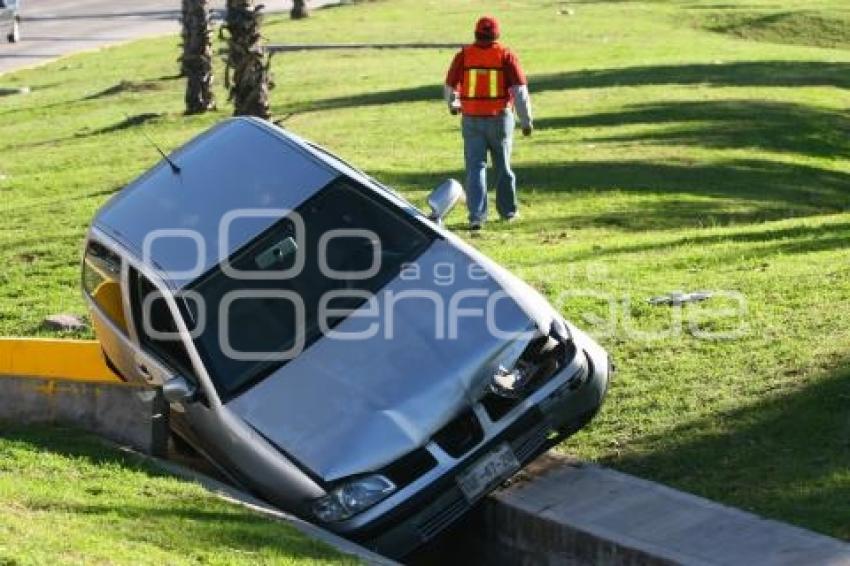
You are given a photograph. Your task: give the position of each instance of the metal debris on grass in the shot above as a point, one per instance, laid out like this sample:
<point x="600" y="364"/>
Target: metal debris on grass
<point x="677" y="298"/>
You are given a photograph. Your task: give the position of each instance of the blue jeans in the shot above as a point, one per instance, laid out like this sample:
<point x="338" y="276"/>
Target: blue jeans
<point x="480" y="135"/>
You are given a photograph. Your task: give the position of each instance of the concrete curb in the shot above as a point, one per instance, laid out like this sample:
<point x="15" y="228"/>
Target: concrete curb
<point x="562" y="511"/>
<point x="61" y="359"/>
<point x="124" y="413"/>
<point x="233" y="495"/>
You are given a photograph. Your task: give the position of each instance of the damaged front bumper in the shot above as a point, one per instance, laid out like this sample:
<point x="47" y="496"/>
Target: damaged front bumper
<point x="418" y="512"/>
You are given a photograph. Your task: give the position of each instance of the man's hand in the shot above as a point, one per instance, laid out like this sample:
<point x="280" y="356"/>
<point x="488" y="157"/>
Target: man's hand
<point x="454" y="111"/>
<point x="527" y="130"/>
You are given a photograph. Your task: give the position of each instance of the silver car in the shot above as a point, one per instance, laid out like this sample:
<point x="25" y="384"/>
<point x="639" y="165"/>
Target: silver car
<point x="10" y="20"/>
<point x="325" y="344"/>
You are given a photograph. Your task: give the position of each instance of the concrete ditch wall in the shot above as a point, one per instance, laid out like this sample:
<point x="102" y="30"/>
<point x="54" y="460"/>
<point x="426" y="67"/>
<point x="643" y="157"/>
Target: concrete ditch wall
<point x="67" y="382"/>
<point x="557" y="510"/>
<point x="560" y="511"/>
<point x="126" y="414"/>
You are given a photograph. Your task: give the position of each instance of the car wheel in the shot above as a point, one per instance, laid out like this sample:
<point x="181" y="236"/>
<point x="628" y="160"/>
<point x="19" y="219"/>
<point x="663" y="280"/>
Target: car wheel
<point x="15" y="35"/>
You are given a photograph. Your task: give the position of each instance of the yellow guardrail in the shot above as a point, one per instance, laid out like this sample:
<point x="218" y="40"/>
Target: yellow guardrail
<point x="78" y="360"/>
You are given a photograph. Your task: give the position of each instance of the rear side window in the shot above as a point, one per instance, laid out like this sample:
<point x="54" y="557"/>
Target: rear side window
<point x="102" y="282"/>
<point x="155" y="325"/>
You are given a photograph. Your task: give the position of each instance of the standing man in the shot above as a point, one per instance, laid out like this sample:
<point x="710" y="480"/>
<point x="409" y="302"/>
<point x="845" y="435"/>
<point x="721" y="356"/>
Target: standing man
<point x="484" y="82"/>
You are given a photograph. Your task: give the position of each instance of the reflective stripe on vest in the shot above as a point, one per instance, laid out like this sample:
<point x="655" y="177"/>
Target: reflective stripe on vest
<point x="482" y="90"/>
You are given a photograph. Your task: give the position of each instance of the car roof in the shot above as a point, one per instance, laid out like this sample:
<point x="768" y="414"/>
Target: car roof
<point x="243" y="174"/>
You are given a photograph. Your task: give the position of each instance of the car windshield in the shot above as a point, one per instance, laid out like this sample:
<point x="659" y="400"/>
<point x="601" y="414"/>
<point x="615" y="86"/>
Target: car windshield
<point x="264" y="305"/>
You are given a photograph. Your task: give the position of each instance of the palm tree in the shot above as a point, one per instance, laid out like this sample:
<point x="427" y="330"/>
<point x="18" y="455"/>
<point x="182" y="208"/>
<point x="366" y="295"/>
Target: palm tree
<point x="248" y="75"/>
<point x="299" y="10"/>
<point x="197" y="59"/>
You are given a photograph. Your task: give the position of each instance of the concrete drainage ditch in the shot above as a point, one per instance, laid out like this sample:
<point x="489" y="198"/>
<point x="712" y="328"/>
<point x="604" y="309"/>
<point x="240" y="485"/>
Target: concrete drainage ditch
<point x="556" y="511"/>
<point x="562" y="511"/>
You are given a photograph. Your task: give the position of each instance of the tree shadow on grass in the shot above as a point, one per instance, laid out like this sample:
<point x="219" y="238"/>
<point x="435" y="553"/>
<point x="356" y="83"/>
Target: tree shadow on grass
<point x="774" y="126"/>
<point x="207" y="529"/>
<point x="763" y="244"/>
<point x="125" y="86"/>
<point x="51" y="204"/>
<point x="203" y="526"/>
<point x="682" y="194"/>
<point x="794" y="239"/>
<point x="785" y="457"/>
<point x="127" y="123"/>
<point x="76" y="444"/>
<point x="739" y="73"/>
<point x="422" y="93"/>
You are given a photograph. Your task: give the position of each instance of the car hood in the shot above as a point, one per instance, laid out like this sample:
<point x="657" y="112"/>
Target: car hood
<point x="345" y="407"/>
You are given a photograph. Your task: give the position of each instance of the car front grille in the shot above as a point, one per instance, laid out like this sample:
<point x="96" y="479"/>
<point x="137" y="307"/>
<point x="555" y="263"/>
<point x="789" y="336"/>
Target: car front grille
<point x="441" y="503"/>
<point x="461" y="435"/>
<point x="526" y="437"/>
<point x="529" y="443"/>
<point x="447" y="513"/>
<point x="498" y="406"/>
<point x="409" y="468"/>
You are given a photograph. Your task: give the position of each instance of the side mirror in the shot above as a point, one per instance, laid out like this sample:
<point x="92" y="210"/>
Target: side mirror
<point x="178" y="390"/>
<point x="444" y="198"/>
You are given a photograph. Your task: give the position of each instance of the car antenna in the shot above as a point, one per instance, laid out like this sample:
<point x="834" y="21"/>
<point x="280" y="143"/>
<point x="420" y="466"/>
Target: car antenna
<point x="174" y="167"/>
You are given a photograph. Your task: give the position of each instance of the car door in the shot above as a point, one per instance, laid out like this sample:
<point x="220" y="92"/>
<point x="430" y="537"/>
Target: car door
<point x="162" y="355"/>
<point x="8" y="8"/>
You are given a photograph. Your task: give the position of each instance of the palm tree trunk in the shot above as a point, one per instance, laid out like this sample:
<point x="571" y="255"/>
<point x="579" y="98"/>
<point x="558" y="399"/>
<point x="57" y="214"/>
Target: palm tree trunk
<point x="299" y="10"/>
<point x="196" y="63"/>
<point x="248" y="75"/>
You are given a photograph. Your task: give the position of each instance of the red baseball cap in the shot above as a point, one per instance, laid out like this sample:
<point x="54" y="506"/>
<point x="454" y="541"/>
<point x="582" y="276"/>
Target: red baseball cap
<point x="487" y="28"/>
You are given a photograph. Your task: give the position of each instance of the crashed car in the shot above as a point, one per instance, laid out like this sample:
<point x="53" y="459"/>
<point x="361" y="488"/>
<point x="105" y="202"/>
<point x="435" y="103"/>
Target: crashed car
<point x="10" y="20"/>
<point x="325" y="344"/>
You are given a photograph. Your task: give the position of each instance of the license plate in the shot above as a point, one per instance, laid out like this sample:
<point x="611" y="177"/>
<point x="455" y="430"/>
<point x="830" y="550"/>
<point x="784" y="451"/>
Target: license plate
<point x="488" y="472"/>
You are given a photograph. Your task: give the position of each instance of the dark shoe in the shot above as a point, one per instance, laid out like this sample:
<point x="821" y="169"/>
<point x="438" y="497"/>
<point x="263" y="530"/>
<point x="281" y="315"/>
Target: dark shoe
<point x="511" y="217"/>
<point x="476" y="226"/>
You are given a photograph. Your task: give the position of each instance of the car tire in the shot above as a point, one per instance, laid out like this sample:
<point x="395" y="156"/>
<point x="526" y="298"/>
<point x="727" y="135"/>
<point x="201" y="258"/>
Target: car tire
<point x="15" y="35"/>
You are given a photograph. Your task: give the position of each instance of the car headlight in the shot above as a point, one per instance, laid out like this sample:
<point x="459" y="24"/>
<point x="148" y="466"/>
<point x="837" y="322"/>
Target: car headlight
<point x="543" y="356"/>
<point x="352" y="498"/>
<point x="510" y="383"/>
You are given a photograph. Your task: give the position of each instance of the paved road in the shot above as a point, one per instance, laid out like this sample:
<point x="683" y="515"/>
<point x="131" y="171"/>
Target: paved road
<point x="52" y="28"/>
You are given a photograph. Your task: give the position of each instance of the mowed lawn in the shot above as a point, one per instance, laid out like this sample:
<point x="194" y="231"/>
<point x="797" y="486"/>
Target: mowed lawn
<point x="681" y="145"/>
<point x="65" y="498"/>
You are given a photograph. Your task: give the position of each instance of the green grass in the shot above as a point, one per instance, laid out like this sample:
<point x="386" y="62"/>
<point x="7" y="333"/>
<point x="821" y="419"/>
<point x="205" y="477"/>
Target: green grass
<point x="66" y="498"/>
<point x="668" y="156"/>
<point x="802" y="27"/>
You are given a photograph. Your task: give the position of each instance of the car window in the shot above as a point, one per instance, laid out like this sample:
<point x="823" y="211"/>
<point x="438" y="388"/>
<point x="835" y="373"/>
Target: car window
<point x="269" y="316"/>
<point x="343" y="163"/>
<point x="102" y="282"/>
<point x="155" y="326"/>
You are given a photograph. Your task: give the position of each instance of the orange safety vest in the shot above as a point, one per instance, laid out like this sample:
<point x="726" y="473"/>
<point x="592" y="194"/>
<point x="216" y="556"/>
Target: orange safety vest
<point x="482" y="89"/>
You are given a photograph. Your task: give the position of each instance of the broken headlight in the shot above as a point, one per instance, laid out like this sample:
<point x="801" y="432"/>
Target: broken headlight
<point x="539" y="361"/>
<point x="352" y="498"/>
